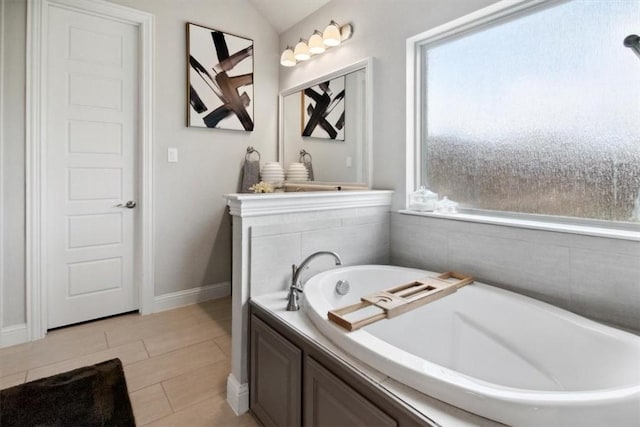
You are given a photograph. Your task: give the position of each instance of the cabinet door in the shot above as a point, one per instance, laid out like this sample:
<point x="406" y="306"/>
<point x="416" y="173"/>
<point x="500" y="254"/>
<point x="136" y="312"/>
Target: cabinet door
<point x="276" y="377"/>
<point x="330" y="402"/>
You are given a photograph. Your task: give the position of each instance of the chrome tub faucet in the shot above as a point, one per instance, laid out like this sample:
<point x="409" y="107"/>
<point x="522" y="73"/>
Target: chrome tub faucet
<point x="296" y="285"/>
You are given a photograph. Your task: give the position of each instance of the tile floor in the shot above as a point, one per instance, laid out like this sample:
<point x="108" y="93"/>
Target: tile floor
<point x="176" y="362"/>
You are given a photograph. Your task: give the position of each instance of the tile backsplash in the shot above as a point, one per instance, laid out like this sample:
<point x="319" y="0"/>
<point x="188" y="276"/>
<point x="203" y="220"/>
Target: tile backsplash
<point x="596" y="277"/>
<point x="359" y="236"/>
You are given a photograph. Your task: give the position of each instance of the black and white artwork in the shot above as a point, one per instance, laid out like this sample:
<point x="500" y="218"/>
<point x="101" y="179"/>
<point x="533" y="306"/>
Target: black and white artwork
<point x="323" y="110"/>
<point x="220" y="79"/>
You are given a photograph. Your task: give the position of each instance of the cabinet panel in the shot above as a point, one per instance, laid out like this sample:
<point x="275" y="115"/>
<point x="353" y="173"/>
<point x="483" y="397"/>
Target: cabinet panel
<point x="276" y="377"/>
<point x="330" y="402"/>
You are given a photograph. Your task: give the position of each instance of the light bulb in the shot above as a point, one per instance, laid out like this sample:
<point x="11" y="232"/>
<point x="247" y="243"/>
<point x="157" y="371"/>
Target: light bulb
<point x="287" y="59"/>
<point x="331" y="35"/>
<point x="316" y="45"/>
<point x="301" y="52"/>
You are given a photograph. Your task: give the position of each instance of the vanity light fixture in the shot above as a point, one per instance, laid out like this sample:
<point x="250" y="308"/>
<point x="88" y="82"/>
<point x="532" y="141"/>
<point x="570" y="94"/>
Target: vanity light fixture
<point x="333" y="35"/>
<point x="288" y="59"/>
<point x="301" y="52"/>
<point x="316" y="43"/>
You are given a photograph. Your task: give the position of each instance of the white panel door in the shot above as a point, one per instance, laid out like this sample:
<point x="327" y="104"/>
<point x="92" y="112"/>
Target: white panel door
<point x="92" y="109"/>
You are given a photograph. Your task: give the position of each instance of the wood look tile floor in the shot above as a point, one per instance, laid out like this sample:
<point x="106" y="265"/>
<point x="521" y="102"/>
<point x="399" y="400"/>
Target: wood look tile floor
<point x="176" y="362"/>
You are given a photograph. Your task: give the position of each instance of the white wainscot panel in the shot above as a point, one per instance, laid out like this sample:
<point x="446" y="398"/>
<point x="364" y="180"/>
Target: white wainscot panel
<point x="94" y="276"/>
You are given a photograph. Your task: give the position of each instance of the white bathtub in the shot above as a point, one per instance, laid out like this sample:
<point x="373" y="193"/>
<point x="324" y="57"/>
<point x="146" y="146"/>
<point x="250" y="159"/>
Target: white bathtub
<point x="492" y="352"/>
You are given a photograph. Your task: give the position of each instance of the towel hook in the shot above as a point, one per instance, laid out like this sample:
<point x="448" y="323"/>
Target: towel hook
<point x="251" y="150"/>
<point x="303" y="154"/>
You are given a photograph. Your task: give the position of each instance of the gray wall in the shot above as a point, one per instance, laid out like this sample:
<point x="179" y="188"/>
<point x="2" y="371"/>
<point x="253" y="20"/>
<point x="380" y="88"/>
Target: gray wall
<point x="192" y="229"/>
<point x="596" y="277"/>
<point x="193" y="234"/>
<point x="12" y="155"/>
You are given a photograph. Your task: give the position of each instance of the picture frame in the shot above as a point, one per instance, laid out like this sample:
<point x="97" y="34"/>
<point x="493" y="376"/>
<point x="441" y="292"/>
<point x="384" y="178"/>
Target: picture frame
<point x="220" y="91"/>
<point x="323" y="110"/>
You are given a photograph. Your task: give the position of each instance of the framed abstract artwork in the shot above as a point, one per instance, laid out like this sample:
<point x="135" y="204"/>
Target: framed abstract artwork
<point x="219" y="79"/>
<point x="323" y="110"/>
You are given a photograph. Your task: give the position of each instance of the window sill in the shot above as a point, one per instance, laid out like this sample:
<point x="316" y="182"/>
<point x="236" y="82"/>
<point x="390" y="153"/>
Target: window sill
<point x="586" y="230"/>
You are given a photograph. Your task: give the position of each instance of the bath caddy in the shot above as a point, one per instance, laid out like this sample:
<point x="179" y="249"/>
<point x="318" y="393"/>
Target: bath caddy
<point x="400" y="299"/>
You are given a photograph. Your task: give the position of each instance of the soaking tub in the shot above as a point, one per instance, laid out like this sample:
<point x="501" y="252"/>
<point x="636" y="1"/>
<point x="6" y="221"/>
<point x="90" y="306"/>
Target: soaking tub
<point x="489" y="351"/>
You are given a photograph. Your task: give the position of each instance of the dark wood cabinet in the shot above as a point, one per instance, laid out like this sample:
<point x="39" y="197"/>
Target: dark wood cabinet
<point x="329" y="402"/>
<point x="294" y="382"/>
<point x="276" y="377"/>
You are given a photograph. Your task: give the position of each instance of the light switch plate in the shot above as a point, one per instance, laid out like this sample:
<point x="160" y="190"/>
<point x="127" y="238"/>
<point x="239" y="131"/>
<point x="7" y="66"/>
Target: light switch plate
<point x="172" y="155"/>
<point x="349" y="161"/>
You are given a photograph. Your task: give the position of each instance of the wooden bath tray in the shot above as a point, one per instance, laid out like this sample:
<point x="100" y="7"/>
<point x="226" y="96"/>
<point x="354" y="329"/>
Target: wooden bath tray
<point x="400" y="299"/>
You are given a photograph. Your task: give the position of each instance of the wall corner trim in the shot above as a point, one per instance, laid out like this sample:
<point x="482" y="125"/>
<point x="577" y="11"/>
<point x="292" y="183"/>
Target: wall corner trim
<point x="191" y="296"/>
<point x="237" y="395"/>
<point x="2" y="110"/>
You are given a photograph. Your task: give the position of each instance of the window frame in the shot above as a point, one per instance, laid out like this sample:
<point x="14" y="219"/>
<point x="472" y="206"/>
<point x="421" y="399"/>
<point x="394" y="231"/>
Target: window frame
<point x="501" y="11"/>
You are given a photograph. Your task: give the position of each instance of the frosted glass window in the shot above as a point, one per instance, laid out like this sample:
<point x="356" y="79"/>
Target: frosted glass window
<point x="539" y="114"/>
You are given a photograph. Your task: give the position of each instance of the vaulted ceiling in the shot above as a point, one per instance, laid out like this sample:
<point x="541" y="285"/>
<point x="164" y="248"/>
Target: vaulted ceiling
<point x="283" y="14"/>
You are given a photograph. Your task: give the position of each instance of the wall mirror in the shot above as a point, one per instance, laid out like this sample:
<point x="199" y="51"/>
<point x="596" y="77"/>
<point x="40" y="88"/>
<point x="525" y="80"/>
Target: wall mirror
<point x="329" y="118"/>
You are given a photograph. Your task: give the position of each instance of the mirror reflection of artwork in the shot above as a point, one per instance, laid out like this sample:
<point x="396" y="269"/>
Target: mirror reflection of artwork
<point x="333" y="161"/>
<point x="220" y="79"/>
<point x="323" y="110"/>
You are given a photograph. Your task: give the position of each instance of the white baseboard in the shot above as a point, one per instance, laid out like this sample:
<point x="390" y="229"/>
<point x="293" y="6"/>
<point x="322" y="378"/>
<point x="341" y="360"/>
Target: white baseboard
<point x="18" y="334"/>
<point x="237" y="395"/>
<point x="191" y="296"/>
<point x="12" y="335"/>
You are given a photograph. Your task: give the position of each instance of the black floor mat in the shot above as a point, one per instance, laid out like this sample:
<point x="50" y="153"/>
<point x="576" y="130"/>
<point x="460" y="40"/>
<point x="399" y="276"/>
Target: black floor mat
<point x="90" y="396"/>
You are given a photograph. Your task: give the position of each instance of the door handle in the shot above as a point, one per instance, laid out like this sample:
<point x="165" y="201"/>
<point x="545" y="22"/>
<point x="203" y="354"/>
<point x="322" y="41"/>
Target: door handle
<point x="129" y="205"/>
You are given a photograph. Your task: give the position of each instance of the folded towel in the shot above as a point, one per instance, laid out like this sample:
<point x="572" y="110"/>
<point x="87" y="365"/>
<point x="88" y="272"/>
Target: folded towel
<point x="307" y="164"/>
<point x="250" y="175"/>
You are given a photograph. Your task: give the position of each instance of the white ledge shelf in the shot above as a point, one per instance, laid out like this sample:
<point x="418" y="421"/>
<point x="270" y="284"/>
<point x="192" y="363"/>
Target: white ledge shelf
<point x="586" y="230"/>
<point x="249" y="205"/>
